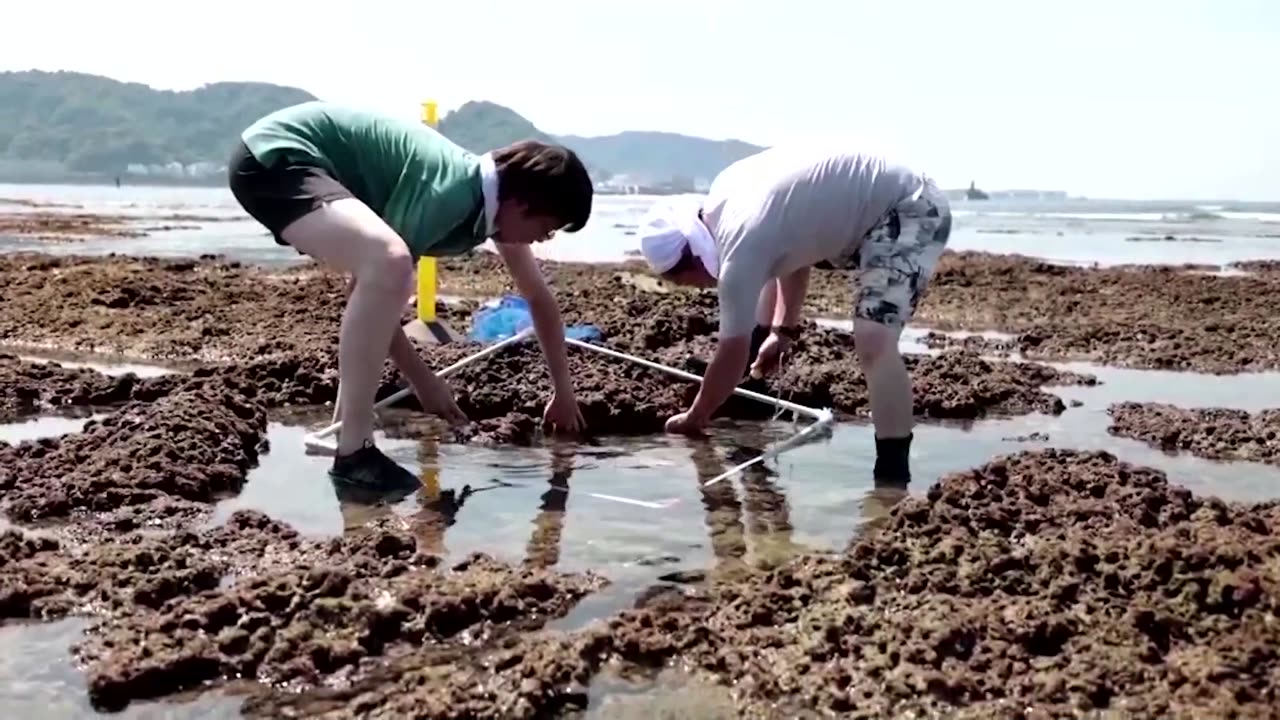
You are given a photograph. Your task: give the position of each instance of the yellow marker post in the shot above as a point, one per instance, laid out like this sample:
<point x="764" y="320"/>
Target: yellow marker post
<point x="427" y="265"/>
<point x="427" y="289"/>
<point x="427" y="327"/>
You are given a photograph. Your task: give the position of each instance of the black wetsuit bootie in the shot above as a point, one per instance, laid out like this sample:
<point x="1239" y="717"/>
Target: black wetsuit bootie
<point x="893" y="460"/>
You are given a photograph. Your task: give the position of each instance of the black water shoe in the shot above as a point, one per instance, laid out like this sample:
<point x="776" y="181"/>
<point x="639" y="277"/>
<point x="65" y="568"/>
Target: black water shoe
<point x="893" y="460"/>
<point x="369" y="469"/>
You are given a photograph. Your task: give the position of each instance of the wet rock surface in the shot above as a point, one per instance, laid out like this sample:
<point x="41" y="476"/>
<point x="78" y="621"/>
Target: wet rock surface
<point x="366" y="599"/>
<point x="1065" y="582"/>
<point x="1213" y="433"/>
<point x="510" y="429"/>
<point x="282" y="343"/>
<point x="59" y="223"/>
<point x="45" y="577"/>
<point x="28" y="387"/>
<point x="1258" y="266"/>
<point x="65" y="226"/>
<point x="1131" y="316"/>
<point x="194" y="445"/>
<point x="1044" y="584"/>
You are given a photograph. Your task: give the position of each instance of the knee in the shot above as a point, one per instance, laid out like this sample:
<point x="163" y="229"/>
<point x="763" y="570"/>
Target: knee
<point x="874" y="342"/>
<point x="389" y="269"/>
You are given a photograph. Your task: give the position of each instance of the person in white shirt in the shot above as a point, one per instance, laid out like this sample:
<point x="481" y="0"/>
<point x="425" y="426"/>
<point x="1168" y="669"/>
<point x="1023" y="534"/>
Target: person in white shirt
<point x="765" y="222"/>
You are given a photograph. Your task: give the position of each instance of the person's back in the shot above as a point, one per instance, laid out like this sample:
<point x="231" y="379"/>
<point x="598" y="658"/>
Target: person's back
<point x="815" y="202"/>
<point x="398" y="168"/>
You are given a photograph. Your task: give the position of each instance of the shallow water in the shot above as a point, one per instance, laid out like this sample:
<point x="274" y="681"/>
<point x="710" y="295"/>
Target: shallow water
<point x="106" y="368"/>
<point x="534" y="505"/>
<point x="39" y="679"/>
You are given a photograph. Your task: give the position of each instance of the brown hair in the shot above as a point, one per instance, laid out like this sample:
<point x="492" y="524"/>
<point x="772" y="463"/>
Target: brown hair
<point x="549" y="179"/>
<point x="686" y="263"/>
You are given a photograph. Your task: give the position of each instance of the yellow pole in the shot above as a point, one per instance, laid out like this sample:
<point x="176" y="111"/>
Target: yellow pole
<point x="427" y="313"/>
<point x="427" y="265"/>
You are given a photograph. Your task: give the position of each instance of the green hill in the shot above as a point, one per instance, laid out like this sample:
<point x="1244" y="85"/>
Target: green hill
<point x="87" y="124"/>
<point x="70" y="126"/>
<point x="659" y="156"/>
<point x="480" y="126"/>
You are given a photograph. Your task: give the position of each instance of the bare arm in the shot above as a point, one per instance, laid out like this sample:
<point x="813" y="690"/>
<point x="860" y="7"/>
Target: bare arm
<point x="791" y="291"/>
<point x="407" y="360"/>
<point x="767" y="304"/>
<point x="547" y="323"/>
<point x="723" y="374"/>
<point x="740" y="287"/>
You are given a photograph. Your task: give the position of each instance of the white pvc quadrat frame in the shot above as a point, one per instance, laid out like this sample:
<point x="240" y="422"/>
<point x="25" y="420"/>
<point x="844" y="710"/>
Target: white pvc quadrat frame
<point x="317" y="441"/>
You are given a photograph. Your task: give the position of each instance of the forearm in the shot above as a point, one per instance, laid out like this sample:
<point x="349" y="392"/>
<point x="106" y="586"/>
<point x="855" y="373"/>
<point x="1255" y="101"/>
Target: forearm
<point x="549" y="327"/>
<point x="721" y="378"/>
<point x="791" y="292"/>
<point x="767" y="304"/>
<point x="406" y="358"/>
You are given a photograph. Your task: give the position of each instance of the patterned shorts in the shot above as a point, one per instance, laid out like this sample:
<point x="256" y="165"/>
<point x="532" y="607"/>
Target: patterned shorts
<point x="896" y="258"/>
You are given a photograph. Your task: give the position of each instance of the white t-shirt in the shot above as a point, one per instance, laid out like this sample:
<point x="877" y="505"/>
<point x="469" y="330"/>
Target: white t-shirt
<point x="783" y="209"/>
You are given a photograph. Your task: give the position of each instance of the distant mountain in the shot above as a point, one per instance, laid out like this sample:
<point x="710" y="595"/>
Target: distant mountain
<point x="73" y="122"/>
<point x="481" y="126"/>
<point x="659" y="156"/>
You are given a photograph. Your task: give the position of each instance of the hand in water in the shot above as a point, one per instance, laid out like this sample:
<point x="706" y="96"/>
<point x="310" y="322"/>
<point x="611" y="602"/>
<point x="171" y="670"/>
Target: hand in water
<point x="683" y="424"/>
<point x="771" y="351"/>
<point x="437" y="399"/>
<point x="563" y="414"/>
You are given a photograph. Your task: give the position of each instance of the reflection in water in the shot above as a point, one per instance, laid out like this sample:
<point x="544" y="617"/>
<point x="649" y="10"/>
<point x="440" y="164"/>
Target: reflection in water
<point x="723" y="511"/>
<point x="878" y="501"/>
<point x="543" y="549"/>
<point x="763" y="515"/>
<point x="754" y="528"/>
<point x="437" y="508"/>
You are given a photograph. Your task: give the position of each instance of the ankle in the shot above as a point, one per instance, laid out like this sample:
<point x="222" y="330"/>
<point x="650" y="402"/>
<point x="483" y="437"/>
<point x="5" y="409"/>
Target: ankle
<point x="346" y="449"/>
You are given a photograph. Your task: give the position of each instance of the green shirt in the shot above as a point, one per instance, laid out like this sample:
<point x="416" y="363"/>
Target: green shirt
<point x="423" y="185"/>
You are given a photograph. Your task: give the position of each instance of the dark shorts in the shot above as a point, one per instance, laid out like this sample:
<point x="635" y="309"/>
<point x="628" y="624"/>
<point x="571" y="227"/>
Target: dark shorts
<point x="276" y="196"/>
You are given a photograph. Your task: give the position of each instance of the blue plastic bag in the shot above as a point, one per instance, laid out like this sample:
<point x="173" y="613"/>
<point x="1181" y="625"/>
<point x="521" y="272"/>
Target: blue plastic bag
<point x="500" y="319"/>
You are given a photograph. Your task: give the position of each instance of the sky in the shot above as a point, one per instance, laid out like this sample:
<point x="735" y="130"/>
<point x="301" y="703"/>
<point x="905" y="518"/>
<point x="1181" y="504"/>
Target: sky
<point x="1118" y="98"/>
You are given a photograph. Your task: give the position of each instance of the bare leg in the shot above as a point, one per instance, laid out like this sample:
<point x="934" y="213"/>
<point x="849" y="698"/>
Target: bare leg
<point x="351" y="238"/>
<point x="898" y="257"/>
<point x="888" y="384"/>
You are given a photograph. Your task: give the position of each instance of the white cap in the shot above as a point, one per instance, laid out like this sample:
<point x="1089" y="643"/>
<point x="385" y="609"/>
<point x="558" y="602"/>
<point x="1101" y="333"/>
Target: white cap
<point x="669" y="227"/>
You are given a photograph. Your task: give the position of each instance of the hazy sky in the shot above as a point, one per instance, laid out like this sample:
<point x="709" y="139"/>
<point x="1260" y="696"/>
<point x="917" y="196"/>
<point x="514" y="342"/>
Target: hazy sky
<point x="1123" y="98"/>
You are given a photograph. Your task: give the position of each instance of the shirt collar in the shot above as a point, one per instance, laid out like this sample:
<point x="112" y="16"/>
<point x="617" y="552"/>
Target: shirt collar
<point x="489" y="189"/>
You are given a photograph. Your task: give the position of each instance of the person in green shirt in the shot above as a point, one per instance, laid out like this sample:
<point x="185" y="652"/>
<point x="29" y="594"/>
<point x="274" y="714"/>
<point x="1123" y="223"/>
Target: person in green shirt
<point x="367" y="195"/>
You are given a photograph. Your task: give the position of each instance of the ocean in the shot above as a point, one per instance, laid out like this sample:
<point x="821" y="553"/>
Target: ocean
<point x="1078" y="232"/>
